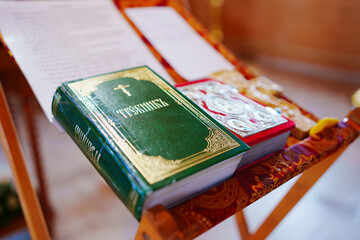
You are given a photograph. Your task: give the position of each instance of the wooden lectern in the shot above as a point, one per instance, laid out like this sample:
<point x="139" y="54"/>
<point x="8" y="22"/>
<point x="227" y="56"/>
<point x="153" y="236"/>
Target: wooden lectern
<point x="313" y="156"/>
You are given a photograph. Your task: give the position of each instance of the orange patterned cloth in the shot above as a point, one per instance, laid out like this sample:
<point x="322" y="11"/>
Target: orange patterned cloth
<point x="201" y="213"/>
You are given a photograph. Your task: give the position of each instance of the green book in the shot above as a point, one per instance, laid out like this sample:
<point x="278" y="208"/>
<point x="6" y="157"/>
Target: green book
<point x="151" y="144"/>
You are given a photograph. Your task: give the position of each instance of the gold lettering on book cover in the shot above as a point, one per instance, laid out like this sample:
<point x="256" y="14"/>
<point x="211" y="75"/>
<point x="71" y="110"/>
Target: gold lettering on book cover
<point x="141" y="108"/>
<point x="153" y="168"/>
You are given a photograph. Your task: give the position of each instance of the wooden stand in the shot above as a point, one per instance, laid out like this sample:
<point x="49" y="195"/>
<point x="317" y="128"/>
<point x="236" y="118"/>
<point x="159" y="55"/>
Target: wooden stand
<point x="28" y="198"/>
<point x="298" y="190"/>
<point x="185" y="221"/>
<point x="159" y="223"/>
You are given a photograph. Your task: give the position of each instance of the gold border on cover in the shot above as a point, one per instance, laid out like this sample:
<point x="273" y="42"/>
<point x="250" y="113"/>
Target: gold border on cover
<point x="218" y="141"/>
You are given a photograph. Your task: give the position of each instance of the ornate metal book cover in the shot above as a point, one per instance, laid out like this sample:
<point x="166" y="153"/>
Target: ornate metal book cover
<point x="246" y="118"/>
<point x="139" y="132"/>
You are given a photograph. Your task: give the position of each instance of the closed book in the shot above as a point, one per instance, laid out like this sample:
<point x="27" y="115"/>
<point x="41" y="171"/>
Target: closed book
<point x="262" y="128"/>
<point x="151" y="144"/>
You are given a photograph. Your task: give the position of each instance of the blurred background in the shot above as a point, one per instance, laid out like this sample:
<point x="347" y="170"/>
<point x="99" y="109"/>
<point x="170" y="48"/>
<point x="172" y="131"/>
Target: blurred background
<point x="320" y="38"/>
<point x="311" y="48"/>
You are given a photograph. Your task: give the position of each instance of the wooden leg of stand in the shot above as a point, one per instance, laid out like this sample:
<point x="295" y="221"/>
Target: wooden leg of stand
<point x="242" y="225"/>
<point x="29" y="110"/>
<point x="158" y="224"/>
<point x="28" y="199"/>
<point x="303" y="184"/>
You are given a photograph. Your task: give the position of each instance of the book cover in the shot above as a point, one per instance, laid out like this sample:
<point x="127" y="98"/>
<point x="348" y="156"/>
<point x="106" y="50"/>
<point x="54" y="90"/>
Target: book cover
<point x="140" y="133"/>
<point x="247" y="119"/>
<point x="269" y="93"/>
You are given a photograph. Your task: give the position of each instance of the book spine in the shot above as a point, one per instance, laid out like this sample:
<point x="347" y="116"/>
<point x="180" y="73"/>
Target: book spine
<point x="98" y="152"/>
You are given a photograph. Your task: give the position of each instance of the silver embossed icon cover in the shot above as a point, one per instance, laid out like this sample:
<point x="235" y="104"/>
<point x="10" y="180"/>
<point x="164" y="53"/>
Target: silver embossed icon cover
<point x="235" y="111"/>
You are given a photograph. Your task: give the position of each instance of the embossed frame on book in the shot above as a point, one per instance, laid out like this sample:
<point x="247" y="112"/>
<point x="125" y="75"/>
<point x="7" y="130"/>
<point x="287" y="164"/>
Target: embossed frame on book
<point x="218" y="141"/>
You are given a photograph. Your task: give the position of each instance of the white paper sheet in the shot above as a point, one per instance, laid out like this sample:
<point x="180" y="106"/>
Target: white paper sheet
<point x="185" y="50"/>
<point x="59" y="41"/>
